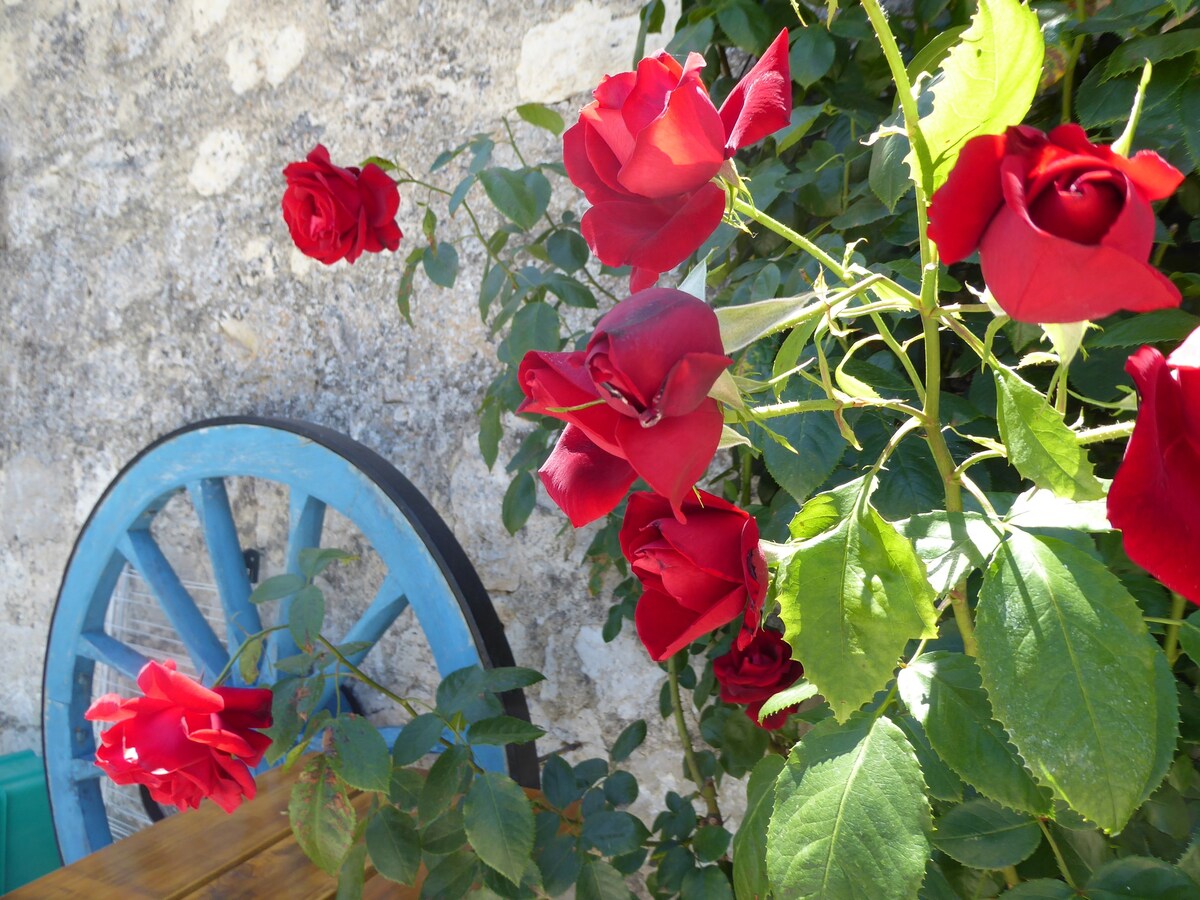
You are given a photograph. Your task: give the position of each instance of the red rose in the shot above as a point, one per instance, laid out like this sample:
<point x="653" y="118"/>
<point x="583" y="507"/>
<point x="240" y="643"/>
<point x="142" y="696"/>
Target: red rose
<point x="635" y="402"/>
<point x="182" y="740"/>
<point x="1155" y="497"/>
<point x="335" y="213"/>
<point x="695" y="577"/>
<point x="645" y="151"/>
<point x="1063" y="227"/>
<point x="756" y="672"/>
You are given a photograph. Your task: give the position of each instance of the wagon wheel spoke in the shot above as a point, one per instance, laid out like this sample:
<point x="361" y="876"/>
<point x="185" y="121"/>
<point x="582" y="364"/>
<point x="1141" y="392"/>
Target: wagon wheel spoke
<point x="228" y="562"/>
<point x="389" y="602"/>
<point x="104" y="648"/>
<point x="208" y="654"/>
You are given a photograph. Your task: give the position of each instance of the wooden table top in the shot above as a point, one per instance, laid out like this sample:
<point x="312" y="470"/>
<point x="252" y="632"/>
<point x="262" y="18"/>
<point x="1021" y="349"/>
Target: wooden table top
<point x="206" y="853"/>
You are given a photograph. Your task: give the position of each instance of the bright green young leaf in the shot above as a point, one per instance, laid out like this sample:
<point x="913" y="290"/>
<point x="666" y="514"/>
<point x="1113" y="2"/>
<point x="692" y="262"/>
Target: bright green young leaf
<point x="696" y="281"/>
<point x="952" y="545"/>
<point x="360" y="754"/>
<point x="851" y="818"/>
<point x="982" y="835"/>
<point x="394" y="845"/>
<point x="521" y="195"/>
<point x="1070" y="671"/>
<point x="1040" y="445"/>
<point x="1041" y="508"/>
<point x="986" y="83"/>
<point x="504" y="730"/>
<point x="797" y="693"/>
<point x="750" y="842"/>
<point x="321" y="815"/>
<point x="742" y="325"/>
<point x="853" y="596"/>
<point x="541" y="117"/>
<point x="315" y="560"/>
<point x="499" y="822"/>
<point x="944" y="693"/>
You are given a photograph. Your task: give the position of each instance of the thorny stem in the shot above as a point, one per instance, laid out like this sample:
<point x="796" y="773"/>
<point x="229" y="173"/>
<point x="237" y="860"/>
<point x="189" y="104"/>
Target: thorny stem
<point x="685" y="738"/>
<point x="1062" y="863"/>
<point x="751" y="212"/>
<point x="1113" y="432"/>
<point x="1068" y="80"/>
<point x="367" y="679"/>
<point x="224" y="673"/>
<point x="1171" y="644"/>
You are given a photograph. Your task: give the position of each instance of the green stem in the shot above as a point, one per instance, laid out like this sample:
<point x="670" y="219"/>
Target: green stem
<point x="1171" y="644"/>
<point x="1062" y="863"/>
<point x="1068" y="80"/>
<point x="966" y="622"/>
<point x="1011" y="878"/>
<point x="685" y="738"/>
<point x="1158" y="620"/>
<point x="942" y="457"/>
<point x="775" y="410"/>
<point x="751" y="212"/>
<point x="746" y="480"/>
<point x="224" y="673"/>
<point x="1113" y="432"/>
<point x="889" y="339"/>
<point x="367" y="679"/>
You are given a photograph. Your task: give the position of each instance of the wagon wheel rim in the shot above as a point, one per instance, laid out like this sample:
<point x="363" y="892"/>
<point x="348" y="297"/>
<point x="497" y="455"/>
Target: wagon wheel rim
<point x="436" y="579"/>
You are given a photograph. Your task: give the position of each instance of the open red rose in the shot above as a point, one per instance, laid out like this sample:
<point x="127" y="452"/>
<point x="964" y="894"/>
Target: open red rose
<point x="182" y="740"/>
<point x="695" y="577"/>
<point x="756" y="672"/>
<point x="635" y="402"/>
<point x="1155" y="498"/>
<point x="645" y="151"/>
<point x="1063" y="227"/>
<point x="335" y="213"/>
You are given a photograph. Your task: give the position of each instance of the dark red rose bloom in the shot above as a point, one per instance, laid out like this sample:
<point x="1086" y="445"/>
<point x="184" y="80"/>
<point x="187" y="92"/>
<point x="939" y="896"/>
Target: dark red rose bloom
<point x="1063" y="227"/>
<point x="645" y="151"/>
<point x="695" y="577"/>
<point x="335" y="213"/>
<point x="755" y="673"/>
<point x="1155" y="498"/>
<point x="182" y="740"/>
<point x="635" y="402"/>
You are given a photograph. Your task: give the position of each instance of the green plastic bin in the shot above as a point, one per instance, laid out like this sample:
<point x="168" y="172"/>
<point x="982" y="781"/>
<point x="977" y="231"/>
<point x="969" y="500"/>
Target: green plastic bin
<point x="28" y="848"/>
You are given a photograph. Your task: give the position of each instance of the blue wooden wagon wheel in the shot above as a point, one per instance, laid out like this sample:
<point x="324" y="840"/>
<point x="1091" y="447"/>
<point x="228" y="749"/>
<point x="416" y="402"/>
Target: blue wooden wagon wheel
<point x="320" y="470"/>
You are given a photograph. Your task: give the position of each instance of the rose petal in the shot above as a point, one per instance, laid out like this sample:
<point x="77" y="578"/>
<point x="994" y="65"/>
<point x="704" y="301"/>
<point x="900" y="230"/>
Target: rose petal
<point x="961" y="209"/>
<point x="582" y="479"/>
<point x="1153" y="176"/>
<point x="761" y="103"/>
<point x="665" y="627"/>
<point x="679" y="151"/>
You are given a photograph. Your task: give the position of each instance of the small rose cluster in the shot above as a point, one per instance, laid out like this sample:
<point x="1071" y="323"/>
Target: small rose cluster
<point x="636" y="399"/>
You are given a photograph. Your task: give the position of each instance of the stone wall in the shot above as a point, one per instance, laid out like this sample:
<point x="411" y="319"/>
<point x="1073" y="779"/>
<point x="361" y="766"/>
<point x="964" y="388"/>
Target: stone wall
<point x="147" y="281"/>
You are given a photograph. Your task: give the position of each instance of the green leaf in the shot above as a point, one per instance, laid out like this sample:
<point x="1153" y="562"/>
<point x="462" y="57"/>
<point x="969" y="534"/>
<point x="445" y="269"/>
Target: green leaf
<point x="815" y="438"/>
<point x="1041" y="889"/>
<point x="709" y="882"/>
<point x="534" y="327"/>
<point x="394" y="845"/>
<point x="558" y="783"/>
<point x="1040" y="445"/>
<point x="541" y="117"/>
<point x="750" y="842"/>
<point x="600" y="881"/>
<point x="417" y="738"/>
<point x="940" y="779"/>
<point x="1133" y="54"/>
<point x="1040" y="508"/>
<point x="452" y="876"/>
<point x="851" y="818"/>
<point x="360" y="754"/>
<point x="742" y="325"/>
<point x="797" y="693"/>
<point x="445" y="781"/>
<point x="251" y="653"/>
<point x="628" y="741"/>
<point x="620" y="788"/>
<point x="745" y="25"/>
<point x="510" y="678"/>
<point x="1139" y="876"/>
<point x="490" y="431"/>
<point x="315" y="560"/>
<point x="518" y="502"/>
<point x="952" y="545"/>
<point x="1189" y="636"/>
<point x="852" y="598"/>
<point x="710" y="842"/>
<point x="559" y="861"/>
<point x="499" y="823"/>
<point x="441" y="265"/>
<point x="306" y="615"/>
<point x="613" y="832"/>
<point x="944" y="693"/>
<point x="889" y="175"/>
<point x="321" y="815"/>
<point x="982" y="835"/>
<point x="986" y="83"/>
<point x="351" y="875"/>
<point x="445" y="834"/>
<point x="277" y="587"/>
<point x="812" y="54"/>
<point x="1068" y="666"/>
<point x="503" y="730"/>
<point x="1162" y="326"/>
<point x="568" y="250"/>
<point x="520" y="195"/>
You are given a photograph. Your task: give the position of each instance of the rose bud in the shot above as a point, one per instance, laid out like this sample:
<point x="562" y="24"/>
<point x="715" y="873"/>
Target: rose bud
<point x="755" y="673"/>
<point x="1156" y="494"/>
<point x="635" y="402"/>
<point x="184" y="741"/>
<point x="335" y="213"/>
<point x="645" y="151"/>
<point x="1063" y="227"/>
<point x="695" y="577"/>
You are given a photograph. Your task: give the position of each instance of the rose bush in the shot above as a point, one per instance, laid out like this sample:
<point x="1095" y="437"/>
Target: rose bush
<point x="751" y="674"/>
<point x="1155" y="495"/>
<point x="1063" y="226"/>
<point x="183" y="741"/>
<point x="339" y="213"/>
<point x="635" y="402"/>
<point x="696" y="576"/>
<point x="645" y="151"/>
